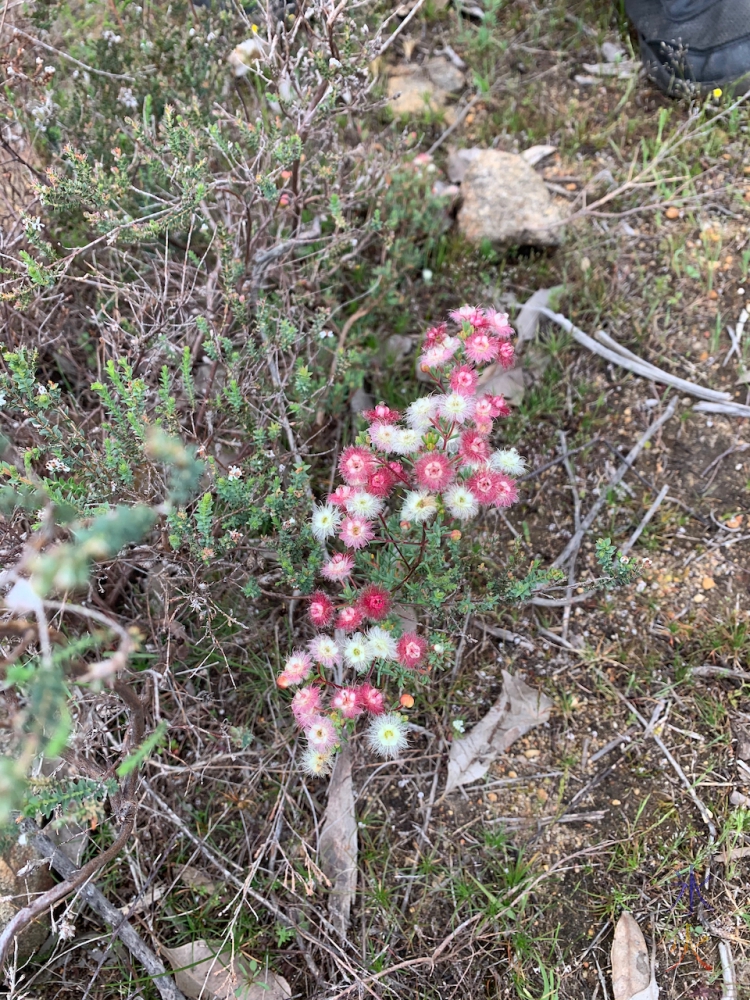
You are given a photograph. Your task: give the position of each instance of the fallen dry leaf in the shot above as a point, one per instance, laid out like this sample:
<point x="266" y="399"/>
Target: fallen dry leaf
<point x="497" y="382"/>
<point x="196" y="879"/>
<point x="708" y="583"/>
<point x="338" y="841"/>
<point x="518" y="709"/>
<point x="201" y="974"/>
<point x="632" y="975"/>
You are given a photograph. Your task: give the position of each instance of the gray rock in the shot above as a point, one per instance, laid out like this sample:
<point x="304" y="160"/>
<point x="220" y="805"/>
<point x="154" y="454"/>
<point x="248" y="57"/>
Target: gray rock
<point x="506" y="202"/>
<point x="445" y="75"/>
<point x="412" y="92"/>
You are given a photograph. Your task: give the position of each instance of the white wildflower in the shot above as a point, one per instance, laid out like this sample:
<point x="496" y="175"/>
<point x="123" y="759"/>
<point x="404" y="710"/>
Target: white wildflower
<point x="381" y="644"/>
<point x="461" y="502"/>
<point x="508" y="461"/>
<point x="419" y="506"/>
<point x="325" y="521"/>
<point x="386" y="734"/>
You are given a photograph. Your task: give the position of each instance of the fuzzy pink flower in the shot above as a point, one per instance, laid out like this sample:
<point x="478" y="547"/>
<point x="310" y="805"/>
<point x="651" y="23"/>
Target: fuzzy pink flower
<point x="473" y="448"/>
<point x="349" y="618"/>
<point x="371" y="699"/>
<point x="469" y="314"/>
<point x="356" y="532"/>
<point x="347" y="702"/>
<point x="381" y="482"/>
<point x="496" y="406"/>
<point x="437" y="355"/>
<point x="486" y="485"/>
<point x="411" y="649"/>
<point x="497" y="324"/>
<point x="296" y="669"/>
<point x="464" y="380"/>
<point x="321" y="609"/>
<point x="306" y="705"/>
<point x="382" y="412"/>
<point x="435" y="334"/>
<point x="433" y="471"/>
<point x="506" y="493"/>
<point x="374" y="603"/>
<point x="482" y="409"/>
<point x="356" y="465"/>
<point x="506" y="355"/>
<point x="483" y="427"/>
<point x="321" y="733"/>
<point x="338" y="567"/>
<point x="340" y="495"/>
<point x="481" y="348"/>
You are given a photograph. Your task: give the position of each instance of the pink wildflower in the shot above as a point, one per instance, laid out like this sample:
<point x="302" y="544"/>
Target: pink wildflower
<point x="486" y="485"/>
<point x="356" y="532"/>
<point x="349" y="618"/>
<point x="497" y="324"/>
<point x="356" y="465"/>
<point x="321" y="609"/>
<point x="347" y="702"/>
<point x="371" y="699"/>
<point x="464" y="380"/>
<point x="435" y="334"/>
<point x="411" y="649"/>
<point x="506" y="491"/>
<point x="381" y="482"/>
<point x="306" y="705"/>
<point x="497" y="405"/>
<point x="437" y="355"/>
<point x="374" y="603"/>
<point x="473" y="448"/>
<point x="433" y="471"/>
<point x="484" y="427"/>
<point x="506" y="355"/>
<point x="483" y="408"/>
<point x="481" y="348"/>
<point x="382" y="412"/>
<point x="340" y="495"/>
<point x="469" y="314"/>
<point x="321" y="733"/>
<point x="338" y="567"/>
<point x="296" y="669"/>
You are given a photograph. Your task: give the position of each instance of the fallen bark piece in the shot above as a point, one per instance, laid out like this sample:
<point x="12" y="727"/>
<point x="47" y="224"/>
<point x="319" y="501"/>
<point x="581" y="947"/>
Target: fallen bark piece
<point x="632" y="975"/>
<point x="518" y="709"/>
<point x="202" y="974"/>
<point x="338" y="842"/>
<point x="619" y="355"/>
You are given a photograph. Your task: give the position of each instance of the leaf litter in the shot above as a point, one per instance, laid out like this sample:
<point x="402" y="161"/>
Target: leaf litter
<point x="519" y="709"/>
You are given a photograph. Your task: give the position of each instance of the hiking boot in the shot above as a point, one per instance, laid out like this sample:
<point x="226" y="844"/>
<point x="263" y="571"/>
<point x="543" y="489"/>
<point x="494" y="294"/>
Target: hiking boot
<point x="694" y="45"/>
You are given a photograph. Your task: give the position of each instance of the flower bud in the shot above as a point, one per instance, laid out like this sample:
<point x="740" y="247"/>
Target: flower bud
<point x="406" y="701"/>
<point x="455" y="535"/>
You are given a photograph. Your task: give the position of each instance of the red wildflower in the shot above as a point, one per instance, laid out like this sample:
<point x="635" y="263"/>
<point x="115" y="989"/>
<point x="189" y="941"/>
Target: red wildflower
<point x="374" y="603"/>
<point x="381" y="482"/>
<point x="321" y="609"/>
<point x="506" y="492"/>
<point x="371" y="699"/>
<point x="383" y="413"/>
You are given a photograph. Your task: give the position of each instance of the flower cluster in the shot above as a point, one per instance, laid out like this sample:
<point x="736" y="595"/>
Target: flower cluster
<point x="434" y="460"/>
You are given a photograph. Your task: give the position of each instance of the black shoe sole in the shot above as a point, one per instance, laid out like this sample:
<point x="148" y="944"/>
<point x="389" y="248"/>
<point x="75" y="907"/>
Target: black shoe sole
<point x="674" y="85"/>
